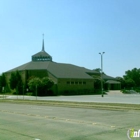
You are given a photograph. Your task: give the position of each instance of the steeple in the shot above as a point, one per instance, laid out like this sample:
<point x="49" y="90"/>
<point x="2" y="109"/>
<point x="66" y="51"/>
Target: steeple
<point x="43" y="44"/>
<point x="42" y="55"/>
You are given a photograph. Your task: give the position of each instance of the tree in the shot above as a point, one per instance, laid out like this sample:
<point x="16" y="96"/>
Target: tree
<point x="133" y="77"/>
<point x="42" y="85"/>
<point x="2" y="81"/>
<point x="16" y="82"/>
<point x="47" y="83"/>
<point x="34" y="83"/>
<point x="129" y="83"/>
<point x="97" y="86"/>
<point x="98" y="70"/>
<point x="122" y="81"/>
<point x="13" y="81"/>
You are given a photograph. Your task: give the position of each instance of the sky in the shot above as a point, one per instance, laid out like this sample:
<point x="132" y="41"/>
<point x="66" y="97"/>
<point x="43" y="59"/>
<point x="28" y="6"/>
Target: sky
<point x="75" y="32"/>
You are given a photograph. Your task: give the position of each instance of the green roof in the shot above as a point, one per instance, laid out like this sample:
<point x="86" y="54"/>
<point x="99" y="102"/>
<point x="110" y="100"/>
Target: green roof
<point x="112" y="82"/>
<point x="107" y="77"/>
<point x="59" y="70"/>
<point x="41" y="56"/>
<point x="41" y="53"/>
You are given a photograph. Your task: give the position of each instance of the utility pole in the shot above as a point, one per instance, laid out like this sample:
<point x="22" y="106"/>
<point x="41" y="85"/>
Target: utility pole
<point x="102" y="93"/>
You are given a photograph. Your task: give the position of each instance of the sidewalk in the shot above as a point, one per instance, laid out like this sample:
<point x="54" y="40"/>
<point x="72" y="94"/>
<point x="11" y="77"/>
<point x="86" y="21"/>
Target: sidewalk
<point x="115" y="92"/>
<point x="113" y="98"/>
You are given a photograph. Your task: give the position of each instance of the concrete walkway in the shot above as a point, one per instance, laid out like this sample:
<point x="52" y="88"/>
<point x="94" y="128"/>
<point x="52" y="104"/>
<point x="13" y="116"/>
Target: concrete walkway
<point x="111" y="97"/>
<point x="114" y="92"/>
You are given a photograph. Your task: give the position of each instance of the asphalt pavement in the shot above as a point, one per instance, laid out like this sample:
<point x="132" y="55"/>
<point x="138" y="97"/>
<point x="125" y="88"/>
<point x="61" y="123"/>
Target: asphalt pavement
<point x="33" y="122"/>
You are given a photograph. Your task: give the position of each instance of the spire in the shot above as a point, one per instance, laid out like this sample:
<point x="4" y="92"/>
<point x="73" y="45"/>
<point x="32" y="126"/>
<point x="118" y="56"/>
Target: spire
<point x="42" y="55"/>
<point x="43" y="44"/>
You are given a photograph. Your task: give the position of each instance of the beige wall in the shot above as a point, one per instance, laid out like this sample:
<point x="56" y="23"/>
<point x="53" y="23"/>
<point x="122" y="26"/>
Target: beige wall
<point x="75" y="85"/>
<point x="62" y="86"/>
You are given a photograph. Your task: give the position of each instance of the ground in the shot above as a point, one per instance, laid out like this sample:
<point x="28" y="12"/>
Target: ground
<point x="22" y="121"/>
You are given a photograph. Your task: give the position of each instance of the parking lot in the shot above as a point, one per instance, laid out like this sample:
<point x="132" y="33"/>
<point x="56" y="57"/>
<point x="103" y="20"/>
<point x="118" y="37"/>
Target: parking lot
<point x="32" y="122"/>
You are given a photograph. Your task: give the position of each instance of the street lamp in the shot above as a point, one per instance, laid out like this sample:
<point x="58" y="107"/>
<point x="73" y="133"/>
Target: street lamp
<point x="36" y="92"/>
<point x="23" y="92"/>
<point x="3" y="90"/>
<point x="102" y="73"/>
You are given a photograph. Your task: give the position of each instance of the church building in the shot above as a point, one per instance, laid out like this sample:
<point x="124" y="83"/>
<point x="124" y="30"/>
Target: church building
<point x="68" y="78"/>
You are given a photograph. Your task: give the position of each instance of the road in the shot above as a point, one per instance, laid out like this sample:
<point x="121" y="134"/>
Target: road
<point x="38" y="122"/>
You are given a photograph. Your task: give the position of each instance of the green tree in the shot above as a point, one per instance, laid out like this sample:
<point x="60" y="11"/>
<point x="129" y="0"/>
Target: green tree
<point x="122" y="81"/>
<point x="34" y="83"/>
<point x="13" y="81"/>
<point x="97" y="86"/>
<point x="2" y="81"/>
<point x="47" y="83"/>
<point x="19" y="88"/>
<point x="133" y="77"/>
<point x="98" y="70"/>
<point x="42" y="85"/>
<point x="129" y="83"/>
<point x="16" y="82"/>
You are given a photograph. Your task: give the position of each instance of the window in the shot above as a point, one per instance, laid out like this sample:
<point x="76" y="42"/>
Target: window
<point x="68" y="82"/>
<point x="72" y="82"/>
<point x="80" y="83"/>
<point x="84" y="83"/>
<point x="76" y="82"/>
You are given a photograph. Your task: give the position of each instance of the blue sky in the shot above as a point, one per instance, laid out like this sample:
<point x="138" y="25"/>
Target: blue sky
<point x="75" y="32"/>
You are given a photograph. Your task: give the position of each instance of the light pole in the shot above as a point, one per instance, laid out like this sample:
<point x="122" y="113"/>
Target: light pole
<point x="3" y="91"/>
<point x="23" y="92"/>
<point x="36" y="92"/>
<point x="102" y="73"/>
